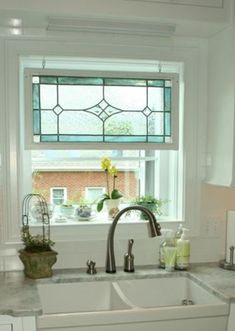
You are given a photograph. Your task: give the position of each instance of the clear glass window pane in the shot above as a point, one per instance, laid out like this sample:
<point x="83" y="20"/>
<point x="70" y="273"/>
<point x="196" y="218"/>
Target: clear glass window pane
<point x="79" y="97"/>
<point x="48" y="122"/>
<point x="156" y="99"/>
<point x="126" y="97"/>
<point x="79" y="123"/>
<point x="48" y="96"/>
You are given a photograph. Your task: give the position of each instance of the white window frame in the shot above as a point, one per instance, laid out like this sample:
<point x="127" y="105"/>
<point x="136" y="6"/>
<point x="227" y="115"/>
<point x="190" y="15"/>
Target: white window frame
<point x="30" y="144"/>
<point x="58" y="188"/>
<point x="189" y="52"/>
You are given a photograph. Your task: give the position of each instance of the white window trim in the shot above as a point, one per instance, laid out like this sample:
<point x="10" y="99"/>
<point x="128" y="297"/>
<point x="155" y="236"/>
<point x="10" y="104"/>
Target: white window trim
<point x="30" y="144"/>
<point x="94" y="187"/>
<point x="185" y="51"/>
<point x="58" y="188"/>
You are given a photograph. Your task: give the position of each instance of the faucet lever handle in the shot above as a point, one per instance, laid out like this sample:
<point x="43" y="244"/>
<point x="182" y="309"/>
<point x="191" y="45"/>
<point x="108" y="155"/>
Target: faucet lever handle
<point x="129" y="258"/>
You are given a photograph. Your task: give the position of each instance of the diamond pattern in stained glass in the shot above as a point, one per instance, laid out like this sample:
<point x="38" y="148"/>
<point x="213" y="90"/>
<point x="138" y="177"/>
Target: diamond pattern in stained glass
<point x="58" y="110"/>
<point x="147" y="111"/>
<point x="103" y="115"/>
<point x="103" y="104"/>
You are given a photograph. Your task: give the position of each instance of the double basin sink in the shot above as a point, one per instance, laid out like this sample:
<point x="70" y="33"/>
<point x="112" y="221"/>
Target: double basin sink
<point x="94" y="296"/>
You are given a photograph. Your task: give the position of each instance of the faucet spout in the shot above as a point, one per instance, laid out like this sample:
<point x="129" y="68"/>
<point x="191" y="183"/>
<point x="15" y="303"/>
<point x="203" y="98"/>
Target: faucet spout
<point x="154" y="230"/>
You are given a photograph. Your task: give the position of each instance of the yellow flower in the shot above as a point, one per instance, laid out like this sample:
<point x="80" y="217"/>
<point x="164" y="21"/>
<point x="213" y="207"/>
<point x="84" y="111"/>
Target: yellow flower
<point x="105" y="163"/>
<point x="113" y="171"/>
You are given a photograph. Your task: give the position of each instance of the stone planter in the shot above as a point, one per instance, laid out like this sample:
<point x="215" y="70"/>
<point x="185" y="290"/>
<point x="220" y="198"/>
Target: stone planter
<point x="38" y="265"/>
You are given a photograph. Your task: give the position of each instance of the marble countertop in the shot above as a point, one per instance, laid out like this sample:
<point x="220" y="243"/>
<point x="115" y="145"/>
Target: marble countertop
<point x="19" y="295"/>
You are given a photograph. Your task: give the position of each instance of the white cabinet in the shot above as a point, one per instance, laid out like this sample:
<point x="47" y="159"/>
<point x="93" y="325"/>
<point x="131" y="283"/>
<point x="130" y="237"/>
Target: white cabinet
<point x="10" y="323"/>
<point x="221" y="109"/>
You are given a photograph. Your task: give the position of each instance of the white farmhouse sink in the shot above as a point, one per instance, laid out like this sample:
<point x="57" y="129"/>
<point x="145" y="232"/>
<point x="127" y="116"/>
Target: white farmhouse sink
<point x="154" y="304"/>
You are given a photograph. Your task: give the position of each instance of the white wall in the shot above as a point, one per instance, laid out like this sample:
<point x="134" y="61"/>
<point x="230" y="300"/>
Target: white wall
<point x="221" y="108"/>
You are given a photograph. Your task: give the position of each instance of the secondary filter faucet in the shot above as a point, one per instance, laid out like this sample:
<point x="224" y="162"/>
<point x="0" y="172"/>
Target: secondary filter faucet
<point x="129" y="258"/>
<point x="153" y="227"/>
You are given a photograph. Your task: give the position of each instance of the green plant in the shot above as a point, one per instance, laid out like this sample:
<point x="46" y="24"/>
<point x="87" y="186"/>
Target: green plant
<point x="35" y="243"/>
<point x="111" y="191"/>
<point x="148" y="200"/>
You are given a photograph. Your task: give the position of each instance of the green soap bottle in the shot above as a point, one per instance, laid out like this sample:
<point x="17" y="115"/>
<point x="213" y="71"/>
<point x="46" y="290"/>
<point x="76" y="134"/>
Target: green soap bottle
<point x="183" y="251"/>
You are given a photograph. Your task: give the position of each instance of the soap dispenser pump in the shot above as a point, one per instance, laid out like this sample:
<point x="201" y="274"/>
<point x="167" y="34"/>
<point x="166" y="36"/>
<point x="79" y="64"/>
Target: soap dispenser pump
<point x="183" y="251"/>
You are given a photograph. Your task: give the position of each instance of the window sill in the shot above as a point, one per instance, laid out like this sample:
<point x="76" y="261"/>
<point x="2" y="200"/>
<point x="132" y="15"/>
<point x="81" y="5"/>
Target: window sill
<point x="97" y="228"/>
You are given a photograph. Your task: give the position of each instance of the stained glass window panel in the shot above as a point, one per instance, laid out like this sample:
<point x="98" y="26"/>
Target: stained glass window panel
<point x="101" y="109"/>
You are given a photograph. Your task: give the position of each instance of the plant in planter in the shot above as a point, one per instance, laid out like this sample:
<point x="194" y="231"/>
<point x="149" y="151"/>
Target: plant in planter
<point x="84" y="209"/>
<point x="37" y="255"/>
<point x="151" y="203"/>
<point x="112" y="195"/>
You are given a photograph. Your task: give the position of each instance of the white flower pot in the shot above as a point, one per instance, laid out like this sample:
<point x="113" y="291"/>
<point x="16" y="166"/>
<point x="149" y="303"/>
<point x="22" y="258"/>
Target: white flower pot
<point x="112" y="207"/>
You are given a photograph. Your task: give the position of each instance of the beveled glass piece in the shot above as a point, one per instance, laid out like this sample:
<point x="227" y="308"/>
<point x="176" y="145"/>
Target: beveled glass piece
<point x="147" y="111"/>
<point x="80" y="81"/>
<point x="125" y="139"/>
<point x="167" y="123"/>
<point x="103" y="104"/>
<point x="35" y="79"/>
<point x="36" y="122"/>
<point x="36" y="103"/>
<point x="156" y="82"/>
<point x="36" y="138"/>
<point x="48" y="80"/>
<point x="124" y="82"/>
<point x="49" y="138"/>
<point x="80" y="138"/>
<point x="167" y="99"/>
<point x="156" y="139"/>
<point x="103" y="115"/>
<point x="168" y="83"/>
<point x="58" y="110"/>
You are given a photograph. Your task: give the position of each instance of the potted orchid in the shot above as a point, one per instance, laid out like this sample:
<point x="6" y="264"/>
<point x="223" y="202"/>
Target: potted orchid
<point x="112" y="195"/>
